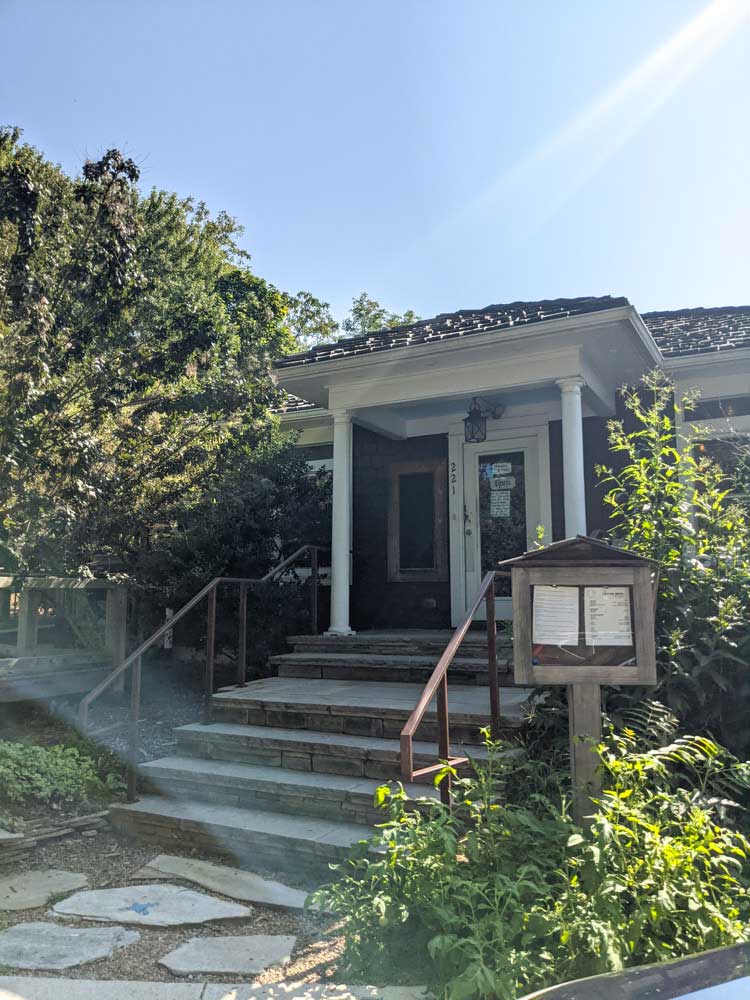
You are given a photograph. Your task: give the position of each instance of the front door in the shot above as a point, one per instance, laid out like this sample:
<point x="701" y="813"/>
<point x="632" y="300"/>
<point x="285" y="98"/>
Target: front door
<point x="502" y="511"/>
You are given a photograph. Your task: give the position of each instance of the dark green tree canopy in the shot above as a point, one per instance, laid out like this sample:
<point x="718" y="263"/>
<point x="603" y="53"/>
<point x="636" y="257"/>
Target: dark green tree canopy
<point x="135" y="355"/>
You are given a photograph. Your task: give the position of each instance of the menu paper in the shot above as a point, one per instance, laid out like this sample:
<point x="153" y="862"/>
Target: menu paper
<point x="607" y="616"/>
<point x="555" y="621"/>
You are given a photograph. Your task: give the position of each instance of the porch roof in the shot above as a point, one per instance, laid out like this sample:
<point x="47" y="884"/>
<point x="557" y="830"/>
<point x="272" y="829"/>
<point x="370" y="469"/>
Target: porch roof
<point x="448" y="326"/>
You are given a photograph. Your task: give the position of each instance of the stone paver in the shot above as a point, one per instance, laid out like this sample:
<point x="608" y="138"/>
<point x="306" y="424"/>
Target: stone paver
<point x="310" y="991"/>
<point x="239" y="956"/>
<point x="150" y="906"/>
<point x="46" y="988"/>
<point x="50" y="946"/>
<point x="35" y="888"/>
<point x="231" y="882"/>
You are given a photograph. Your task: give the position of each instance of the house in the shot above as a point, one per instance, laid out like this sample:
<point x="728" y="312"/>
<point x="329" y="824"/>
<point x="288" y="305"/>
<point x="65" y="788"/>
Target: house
<point x="451" y="439"/>
<point x="455" y="439"/>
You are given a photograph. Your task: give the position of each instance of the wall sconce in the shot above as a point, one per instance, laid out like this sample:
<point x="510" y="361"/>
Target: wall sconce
<point x="475" y="424"/>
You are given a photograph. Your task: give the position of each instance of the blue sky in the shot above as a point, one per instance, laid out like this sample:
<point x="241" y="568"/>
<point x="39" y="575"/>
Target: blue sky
<point x="440" y="155"/>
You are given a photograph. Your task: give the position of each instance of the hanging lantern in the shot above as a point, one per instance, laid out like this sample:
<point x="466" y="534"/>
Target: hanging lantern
<point x="475" y="424"/>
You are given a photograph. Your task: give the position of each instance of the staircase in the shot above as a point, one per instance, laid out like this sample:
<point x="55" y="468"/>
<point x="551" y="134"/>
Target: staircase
<point x="285" y="773"/>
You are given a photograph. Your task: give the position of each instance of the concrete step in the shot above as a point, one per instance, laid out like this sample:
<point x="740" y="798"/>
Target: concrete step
<point x="272" y="789"/>
<point x="299" y="846"/>
<point x="384" y="667"/>
<point x="362" y="708"/>
<point x="408" y="642"/>
<point x="305" y="750"/>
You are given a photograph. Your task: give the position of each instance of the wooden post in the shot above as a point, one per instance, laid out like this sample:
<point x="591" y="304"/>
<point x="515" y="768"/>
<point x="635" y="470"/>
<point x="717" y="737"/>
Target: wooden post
<point x="444" y="745"/>
<point x="115" y="629"/>
<point x="242" y="642"/>
<point x="585" y="724"/>
<point x="210" y="655"/>
<point x="492" y="664"/>
<point x="28" y="621"/>
<point x="314" y="590"/>
<point x="135" y="712"/>
<point x="5" y="604"/>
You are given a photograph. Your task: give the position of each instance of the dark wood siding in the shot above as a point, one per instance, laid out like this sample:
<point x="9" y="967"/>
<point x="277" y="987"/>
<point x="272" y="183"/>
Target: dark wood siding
<point x="375" y="602"/>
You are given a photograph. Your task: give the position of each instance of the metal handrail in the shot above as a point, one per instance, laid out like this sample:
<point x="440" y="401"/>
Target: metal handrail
<point x="133" y="660"/>
<point x="438" y="685"/>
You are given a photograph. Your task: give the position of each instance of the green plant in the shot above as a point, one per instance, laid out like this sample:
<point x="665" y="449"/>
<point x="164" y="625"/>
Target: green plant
<point x="504" y="893"/>
<point x="63" y="774"/>
<point x="671" y="504"/>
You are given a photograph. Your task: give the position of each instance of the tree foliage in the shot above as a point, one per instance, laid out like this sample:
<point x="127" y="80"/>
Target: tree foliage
<point x="135" y="351"/>
<point x="671" y="503"/>
<point x="311" y="322"/>
<point x="367" y="315"/>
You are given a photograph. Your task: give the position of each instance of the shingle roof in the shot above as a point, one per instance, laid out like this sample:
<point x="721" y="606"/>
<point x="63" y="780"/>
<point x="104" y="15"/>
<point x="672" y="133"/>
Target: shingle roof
<point x="450" y="325"/>
<point x="294" y="404"/>
<point x="699" y="331"/>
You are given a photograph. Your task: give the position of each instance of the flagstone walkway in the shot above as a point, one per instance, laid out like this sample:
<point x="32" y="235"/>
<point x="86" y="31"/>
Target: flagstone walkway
<point x="38" y="988"/>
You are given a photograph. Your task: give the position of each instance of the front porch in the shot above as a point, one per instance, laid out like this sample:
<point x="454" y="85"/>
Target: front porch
<point x="420" y="513"/>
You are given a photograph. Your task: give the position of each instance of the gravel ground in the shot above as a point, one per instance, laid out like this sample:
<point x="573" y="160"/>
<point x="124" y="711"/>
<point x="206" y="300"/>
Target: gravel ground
<point x="111" y="860"/>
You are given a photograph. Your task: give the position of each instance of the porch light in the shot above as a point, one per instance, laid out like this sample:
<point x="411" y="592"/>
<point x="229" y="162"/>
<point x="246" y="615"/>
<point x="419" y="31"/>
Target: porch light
<point x="475" y="425"/>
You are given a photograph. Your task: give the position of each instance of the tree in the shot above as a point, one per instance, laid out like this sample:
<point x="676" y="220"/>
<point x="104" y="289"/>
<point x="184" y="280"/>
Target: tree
<point x="366" y="315"/>
<point x="135" y="351"/>
<point x="310" y="320"/>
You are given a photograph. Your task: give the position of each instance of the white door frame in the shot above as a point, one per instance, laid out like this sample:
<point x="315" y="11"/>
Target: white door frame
<point x="518" y="435"/>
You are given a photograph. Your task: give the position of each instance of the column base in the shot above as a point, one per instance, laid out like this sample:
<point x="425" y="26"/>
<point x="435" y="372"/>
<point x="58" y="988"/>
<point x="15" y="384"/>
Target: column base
<point x="332" y="633"/>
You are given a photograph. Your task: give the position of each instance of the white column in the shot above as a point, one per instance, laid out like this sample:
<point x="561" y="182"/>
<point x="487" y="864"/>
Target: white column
<point x="341" y="533"/>
<point x="574" y="482"/>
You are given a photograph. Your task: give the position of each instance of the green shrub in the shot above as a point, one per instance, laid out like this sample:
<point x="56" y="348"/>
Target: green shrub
<point x="669" y="503"/>
<point x="495" y="898"/>
<point x="62" y="774"/>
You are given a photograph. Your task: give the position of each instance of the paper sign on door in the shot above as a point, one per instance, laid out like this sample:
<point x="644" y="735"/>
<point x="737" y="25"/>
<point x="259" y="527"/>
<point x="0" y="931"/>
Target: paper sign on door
<point x="502" y="468"/>
<point x="500" y="503"/>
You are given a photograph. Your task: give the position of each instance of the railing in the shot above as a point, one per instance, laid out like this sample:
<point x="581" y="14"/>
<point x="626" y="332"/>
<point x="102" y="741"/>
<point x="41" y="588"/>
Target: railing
<point x="133" y="661"/>
<point x="437" y="685"/>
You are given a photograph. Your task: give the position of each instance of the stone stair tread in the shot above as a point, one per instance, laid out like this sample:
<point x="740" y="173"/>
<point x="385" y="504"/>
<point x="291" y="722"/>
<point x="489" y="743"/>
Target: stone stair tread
<point x="381" y="659"/>
<point x="467" y="703"/>
<point x="309" y="739"/>
<point x="395" y="636"/>
<point x="334" y="833"/>
<point x="255" y="775"/>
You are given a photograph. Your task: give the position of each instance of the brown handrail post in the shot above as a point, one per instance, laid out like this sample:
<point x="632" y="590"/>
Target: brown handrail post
<point x="444" y="741"/>
<point x="135" y="708"/>
<point x="407" y="757"/>
<point x="242" y="644"/>
<point x="314" y="590"/>
<point x="492" y="663"/>
<point x="210" y="654"/>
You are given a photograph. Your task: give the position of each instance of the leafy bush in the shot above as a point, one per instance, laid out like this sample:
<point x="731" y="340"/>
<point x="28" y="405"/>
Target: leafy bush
<point x="670" y="503"/>
<point x="495" y="898"/>
<point x="63" y="774"/>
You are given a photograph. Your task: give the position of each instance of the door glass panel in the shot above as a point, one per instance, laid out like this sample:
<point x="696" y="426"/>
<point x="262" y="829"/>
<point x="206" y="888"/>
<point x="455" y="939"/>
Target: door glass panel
<point x="416" y="507"/>
<point x="502" y="510"/>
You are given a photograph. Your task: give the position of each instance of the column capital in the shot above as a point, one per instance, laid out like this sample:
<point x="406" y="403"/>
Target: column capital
<point x="342" y="416"/>
<point x="573" y="383"/>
